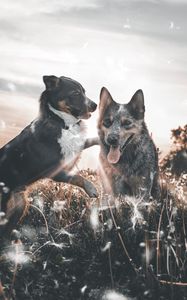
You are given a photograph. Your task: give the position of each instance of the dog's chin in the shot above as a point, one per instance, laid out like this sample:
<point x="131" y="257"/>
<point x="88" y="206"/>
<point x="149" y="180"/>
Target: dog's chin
<point x="85" y="116"/>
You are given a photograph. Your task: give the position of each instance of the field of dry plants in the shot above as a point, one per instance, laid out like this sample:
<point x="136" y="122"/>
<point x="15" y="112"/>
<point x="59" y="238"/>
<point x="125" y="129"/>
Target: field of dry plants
<point x="69" y="247"/>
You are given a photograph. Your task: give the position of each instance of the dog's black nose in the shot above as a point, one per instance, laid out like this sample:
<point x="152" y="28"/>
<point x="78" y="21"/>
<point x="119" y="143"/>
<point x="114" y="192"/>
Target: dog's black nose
<point x="113" y="139"/>
<point x="92" y="106"/>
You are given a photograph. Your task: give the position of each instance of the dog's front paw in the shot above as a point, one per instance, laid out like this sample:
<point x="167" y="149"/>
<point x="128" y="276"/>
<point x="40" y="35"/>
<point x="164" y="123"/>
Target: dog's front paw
<point x="90" y="189"/>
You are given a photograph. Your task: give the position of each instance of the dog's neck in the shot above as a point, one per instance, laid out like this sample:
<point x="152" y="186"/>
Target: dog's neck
<point x="67" y="118"/>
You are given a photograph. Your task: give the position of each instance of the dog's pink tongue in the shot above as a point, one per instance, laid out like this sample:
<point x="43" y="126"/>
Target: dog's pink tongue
<point x="114" y="155"/>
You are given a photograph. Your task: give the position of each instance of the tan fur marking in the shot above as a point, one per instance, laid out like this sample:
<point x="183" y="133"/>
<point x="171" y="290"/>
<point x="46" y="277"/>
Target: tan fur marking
<point x="63" y="106"/>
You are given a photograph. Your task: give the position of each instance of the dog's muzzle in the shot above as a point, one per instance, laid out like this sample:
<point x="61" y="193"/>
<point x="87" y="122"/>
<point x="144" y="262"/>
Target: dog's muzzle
<point x="91" y="105"/>
<point x="113" y="139"/>
<point x="116" y="149"/>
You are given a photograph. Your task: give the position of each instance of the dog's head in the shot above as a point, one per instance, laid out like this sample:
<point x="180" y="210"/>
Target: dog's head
<point x="67" y="95"/>
<point x="119" y="124"/>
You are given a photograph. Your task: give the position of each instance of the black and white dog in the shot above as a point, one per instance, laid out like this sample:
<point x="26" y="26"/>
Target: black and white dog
<point x="51" y="144"/>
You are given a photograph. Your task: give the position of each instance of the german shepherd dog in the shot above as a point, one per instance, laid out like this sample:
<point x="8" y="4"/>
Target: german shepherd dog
<point x="128" y="157"/>
<point x="51" y="144"/>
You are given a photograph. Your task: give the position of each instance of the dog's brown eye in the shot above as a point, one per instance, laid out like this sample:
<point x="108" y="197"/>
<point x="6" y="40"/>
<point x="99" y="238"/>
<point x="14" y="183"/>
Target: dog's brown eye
<point x="126" y="123"/>
<point x="76" y="93"/>
<point x="107" y="123"/>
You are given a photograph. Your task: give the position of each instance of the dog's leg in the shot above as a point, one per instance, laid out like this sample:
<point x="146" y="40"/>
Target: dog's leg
<point x="91" y="142"/>
<point x="77" y="180"/>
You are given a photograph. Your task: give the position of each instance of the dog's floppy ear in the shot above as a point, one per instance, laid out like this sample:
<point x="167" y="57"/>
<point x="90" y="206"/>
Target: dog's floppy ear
<point x="105" y="100"/>
<point x="51" y="81"/>
<point x="136" y="105"/>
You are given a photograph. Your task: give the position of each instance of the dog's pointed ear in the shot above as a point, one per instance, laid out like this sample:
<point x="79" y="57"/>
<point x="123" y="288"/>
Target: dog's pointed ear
<point x="105" y="100"/>
<point x="50" y="81"/>
<point x="136" y="105"/>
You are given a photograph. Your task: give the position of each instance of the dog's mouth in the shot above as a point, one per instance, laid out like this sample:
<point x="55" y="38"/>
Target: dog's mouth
<point x="85" y="116"/>
<point x="127" y="142"/>
<point x="114" y="154"/>
<point x="115" y="151"/>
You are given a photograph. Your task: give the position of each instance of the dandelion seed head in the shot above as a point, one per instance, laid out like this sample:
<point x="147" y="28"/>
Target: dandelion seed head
<point x="109" y="224"/>
<point x="107" y="247"/>
<point x="83" y="289"/>
<point x="56" y="284"/>
<point x="17" y="254"/>
<point x="94" y="218"/>
<point x="171" y="26"/>
<point x="113" y="295"/>
<point x="38" y="201"/>
<point x="58" y="205"/>
<point x="44" y="265"/>
<point x="147" y="292"/>
<point x="137" y="205"/>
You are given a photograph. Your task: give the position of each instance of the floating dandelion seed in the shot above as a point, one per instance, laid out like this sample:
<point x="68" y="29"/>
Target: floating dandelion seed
<point x="83" y="289"/>
<point x="127" y="24"/>
<point x="171" y="26"/>
<point x="113" y="295"/>
<point x="56" y="284"/>
<point x="136" y="214"/>
<point x="137" y="204"/>
<point x="67" y="260"/>
<point x="58" y="206"/>
<point x="17" y="254"/>
<point x="44" y="265"/>
<point x="107" y="247"/>
<point x="109" y="224"/>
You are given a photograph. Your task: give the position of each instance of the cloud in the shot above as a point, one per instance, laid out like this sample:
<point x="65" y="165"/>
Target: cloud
<point x="21" y="8"/>
<point x="124" y="45"/>
<point x="177" y="2"/>
<point x="15" y="87"/>
<point x="150" y="18"/>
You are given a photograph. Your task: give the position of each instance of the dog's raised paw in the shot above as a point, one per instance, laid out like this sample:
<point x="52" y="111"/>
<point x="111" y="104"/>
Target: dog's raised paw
<point x="90" y="189"/>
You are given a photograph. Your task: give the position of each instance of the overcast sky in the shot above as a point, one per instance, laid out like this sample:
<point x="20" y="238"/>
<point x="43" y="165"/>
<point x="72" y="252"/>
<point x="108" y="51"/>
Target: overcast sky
<point x="121" y="44"/>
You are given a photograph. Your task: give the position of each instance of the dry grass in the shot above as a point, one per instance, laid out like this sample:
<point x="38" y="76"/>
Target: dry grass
<point x="162" y="225"/>
<point x="125" y="241"/>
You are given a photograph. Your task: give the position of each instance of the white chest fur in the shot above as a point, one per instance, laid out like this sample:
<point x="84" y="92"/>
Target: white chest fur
<point x="71" y="142"/>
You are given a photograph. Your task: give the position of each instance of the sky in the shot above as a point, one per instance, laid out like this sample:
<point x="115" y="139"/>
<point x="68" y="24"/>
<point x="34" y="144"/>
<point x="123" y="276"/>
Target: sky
<point x="121" y="44"/>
